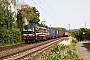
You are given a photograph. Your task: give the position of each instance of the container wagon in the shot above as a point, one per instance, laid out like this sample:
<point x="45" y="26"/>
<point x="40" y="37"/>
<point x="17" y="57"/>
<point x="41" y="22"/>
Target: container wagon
<point x="52" y="33"/>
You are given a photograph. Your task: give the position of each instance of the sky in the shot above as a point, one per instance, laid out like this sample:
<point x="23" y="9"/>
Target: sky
<point x="63" y="13"/>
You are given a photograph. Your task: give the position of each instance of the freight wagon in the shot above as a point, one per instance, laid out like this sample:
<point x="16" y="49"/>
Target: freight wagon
<point x="52" y="33"/>
<point x="66" y="34"/>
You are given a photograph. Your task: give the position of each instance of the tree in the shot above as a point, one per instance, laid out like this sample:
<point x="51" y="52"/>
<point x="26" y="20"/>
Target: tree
<point x="59" y="28"/>
<point x="19" y="20"/>
<point x="30" y="13"/>
<point x="35" y="18"/>
<point x="8" y="34"/>
<point x="6" y="16"/>
<point x="82" y="34"/>
<point x="42" y="25"/>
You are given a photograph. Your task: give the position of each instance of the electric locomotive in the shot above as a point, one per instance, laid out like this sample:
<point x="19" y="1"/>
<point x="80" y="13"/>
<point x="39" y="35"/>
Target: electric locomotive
<point x="29" y="33"/>
<point x="42" y="34"/>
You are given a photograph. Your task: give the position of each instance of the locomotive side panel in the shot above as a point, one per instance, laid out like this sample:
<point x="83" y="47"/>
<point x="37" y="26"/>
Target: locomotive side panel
<point x="42" y="33"/>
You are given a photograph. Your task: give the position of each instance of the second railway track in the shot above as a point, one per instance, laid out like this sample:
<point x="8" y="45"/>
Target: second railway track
<point x="32" y="51"/>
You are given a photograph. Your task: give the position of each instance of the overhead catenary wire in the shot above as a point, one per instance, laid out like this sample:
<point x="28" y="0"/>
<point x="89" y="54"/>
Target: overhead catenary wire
<point x="42" y="9"/>
<point x="49" y="7"/>
<point x="43" y="5"/>
<point x="52" y="9"/>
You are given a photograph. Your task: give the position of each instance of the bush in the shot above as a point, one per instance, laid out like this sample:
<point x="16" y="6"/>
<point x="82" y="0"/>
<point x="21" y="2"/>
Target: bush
<point x="82" y="34"/>
<point x="74" y="41"/>
<point x="60" y="52"/>
<point x="8" y="37"/>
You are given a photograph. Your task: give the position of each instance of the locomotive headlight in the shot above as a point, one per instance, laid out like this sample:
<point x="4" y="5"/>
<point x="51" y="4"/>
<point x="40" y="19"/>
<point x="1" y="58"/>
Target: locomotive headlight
<point x="33" y="35"/>
<point x="24" y="34"/>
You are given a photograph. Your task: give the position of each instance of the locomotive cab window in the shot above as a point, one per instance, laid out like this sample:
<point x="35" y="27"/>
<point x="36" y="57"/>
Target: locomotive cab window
<point x="28" y="28"/>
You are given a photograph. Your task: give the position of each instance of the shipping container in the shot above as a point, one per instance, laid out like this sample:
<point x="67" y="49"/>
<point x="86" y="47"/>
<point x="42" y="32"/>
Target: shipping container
<point x="52" y="33"/>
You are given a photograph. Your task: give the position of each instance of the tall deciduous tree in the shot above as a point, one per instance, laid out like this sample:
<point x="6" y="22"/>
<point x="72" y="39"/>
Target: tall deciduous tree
<point x="82" y="34"/>
<point x="35" y="16"/>
<point x="30" y="13"/>
<point x="6" y="16"/>
<point x="19" y="19"/>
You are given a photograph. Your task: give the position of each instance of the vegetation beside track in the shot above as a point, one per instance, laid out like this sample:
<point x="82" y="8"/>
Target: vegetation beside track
<point x="82" y="34"/>
<point x="9" y="37"/>
<point x="62" y="52"/>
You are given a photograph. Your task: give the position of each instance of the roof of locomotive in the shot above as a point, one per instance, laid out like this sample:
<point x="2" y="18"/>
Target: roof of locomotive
<point x="36" y="26"/>
<point x="40" y="27"/>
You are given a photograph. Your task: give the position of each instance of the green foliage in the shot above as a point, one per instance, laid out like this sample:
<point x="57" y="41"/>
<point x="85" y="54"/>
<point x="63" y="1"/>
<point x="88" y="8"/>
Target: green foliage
<point x="82" y="34"/>
<point x="6" y="16"/>
<point x="42" y="25"/>
<point x="61" y="52"/>
<point x="11" y="36"/>
<point x="30" y="58"/>
<point x="59" y="28"/>
<point x="73" y="30"/>
<point x="35" y="16"/>
<point x="11" y="29"/>
<point x="73" y="45"/>
<point x="29" y="13"/>
<point x="74" y="41"/>
<point x="19" y="20"/>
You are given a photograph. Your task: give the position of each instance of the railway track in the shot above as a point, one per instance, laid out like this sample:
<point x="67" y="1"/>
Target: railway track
<point x="32" y="50"/>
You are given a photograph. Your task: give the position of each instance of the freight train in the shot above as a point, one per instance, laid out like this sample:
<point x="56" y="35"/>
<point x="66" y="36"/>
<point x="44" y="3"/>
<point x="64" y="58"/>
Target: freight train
<point x="32" y="32"/>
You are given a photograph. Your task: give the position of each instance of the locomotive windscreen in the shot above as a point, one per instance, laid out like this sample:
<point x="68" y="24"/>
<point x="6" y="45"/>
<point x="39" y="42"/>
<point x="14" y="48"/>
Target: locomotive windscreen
<point x="28" y="28"/>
